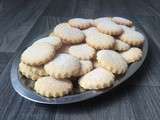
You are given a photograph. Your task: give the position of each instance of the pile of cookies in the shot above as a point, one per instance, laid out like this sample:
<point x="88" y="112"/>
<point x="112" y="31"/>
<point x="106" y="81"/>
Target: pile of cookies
<point x="94" y="51"/>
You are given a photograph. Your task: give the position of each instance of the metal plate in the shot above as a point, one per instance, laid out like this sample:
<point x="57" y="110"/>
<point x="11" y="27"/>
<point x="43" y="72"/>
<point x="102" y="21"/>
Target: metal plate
<point x="24" y="86"/>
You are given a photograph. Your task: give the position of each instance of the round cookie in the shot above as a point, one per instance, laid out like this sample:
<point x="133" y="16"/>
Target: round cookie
<point x="63" y="66"/>
<point x="109" y="28"/>
<point x="86" y="66"/>
<point x="32" y="72"/>
<point x="82" y="51"/>
<point x="122" y="21"/>
<point x="51" y="87"/>
<point x="121" y="46"/>
<point x="132" y="55"/>
<point x="38" y="54"/>
<point x="80" y="23"/>
<point x="98" y="78"/>
<point x="53" y="40"/>
<point x="101" y="20"/>
<point x="90" y="31"/>
<point x="100" y="41"/>
<point x="112" y="61"/>
<point x="133" y="38"/>
<point x="68" y="34"/>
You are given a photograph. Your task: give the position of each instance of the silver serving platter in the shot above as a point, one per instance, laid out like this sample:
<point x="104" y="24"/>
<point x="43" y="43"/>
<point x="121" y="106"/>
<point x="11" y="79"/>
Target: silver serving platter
<point x="24" y="86"/>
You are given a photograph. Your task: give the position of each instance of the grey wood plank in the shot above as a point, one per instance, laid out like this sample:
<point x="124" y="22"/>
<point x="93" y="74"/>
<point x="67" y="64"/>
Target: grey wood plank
<point x="7" y="6"/>
<point x="98" y="8"/>
<point x="111" y="106"/>
<point x="140" y="8"/>
<point x="41" y="26"/>
<point x="86" y="8"/>
<point x="154" y="5"/>
<point x="4" y="59"/>
<point x="16" y="28"/>
<point x="136" y="99"/>
<point x="145" y="102"/>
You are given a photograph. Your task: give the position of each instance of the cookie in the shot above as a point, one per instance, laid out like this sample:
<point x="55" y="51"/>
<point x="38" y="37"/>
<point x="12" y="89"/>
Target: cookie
<point x="112" y="61"/>
<point x="101" y="20"/>
<point x="38" y="54"/>
<point x="63" y="66"/>
<point x="90" y="31"/>
<point x="109" y="28"/>
<point x="122" y="21"/>
<point x="80" y="23"/>
<point x="68" y="34"/>
<point x="53" y="40"/>
<point x="132" y="55"/>
<point x="86" y="66"/>
<point x="32" y="72"/>
<point x="121" y="46"/>
<point x="100" y="41"/>
<point x="133" y="38"/>
<point x="51" y="87"/>
<point x="82" y="51"/>
<point x="98" y="78"/>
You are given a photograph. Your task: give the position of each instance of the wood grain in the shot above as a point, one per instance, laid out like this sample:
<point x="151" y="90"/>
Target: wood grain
<point x="18" y="23"/>
<point x="137" y="99"/>
<point x="4" y="59"/>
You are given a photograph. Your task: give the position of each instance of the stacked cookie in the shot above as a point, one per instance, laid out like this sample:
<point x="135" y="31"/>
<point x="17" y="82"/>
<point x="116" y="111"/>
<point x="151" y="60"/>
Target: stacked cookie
<point x="92" y="51"/>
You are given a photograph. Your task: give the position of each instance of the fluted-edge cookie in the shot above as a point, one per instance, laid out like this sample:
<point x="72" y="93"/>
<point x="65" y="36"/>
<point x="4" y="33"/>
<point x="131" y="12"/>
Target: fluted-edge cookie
<point x="68" y="34"/>
<point x="122" y="21"/>
<point x="133" y="38"/>
<point x="63" y="66"/>
<point x="32" y="72"/>
<point x="132" y="55"/>
<point x="80" y="23"/>
<point x="101" y="20"/>
<point x="109" y="28"/>
<point x="112" y="61"/>
<point x="86" y="66"/>
<point x="121" y="46"/>
<point x="98" y="78"/>
<point x="100" y="41"/>
<point x="53" y="40"/>
<point x="82" y="51"/>
<point x="51" y="87"/>
<point x="38" y="54"/>
<point x="90" y="31"/>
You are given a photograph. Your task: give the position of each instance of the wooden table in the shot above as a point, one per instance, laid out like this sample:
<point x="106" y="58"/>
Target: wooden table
<point x="137" y="99"/>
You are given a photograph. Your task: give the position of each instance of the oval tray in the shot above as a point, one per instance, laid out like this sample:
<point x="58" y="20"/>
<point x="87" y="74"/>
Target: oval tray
<point x="24" y="88"/>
